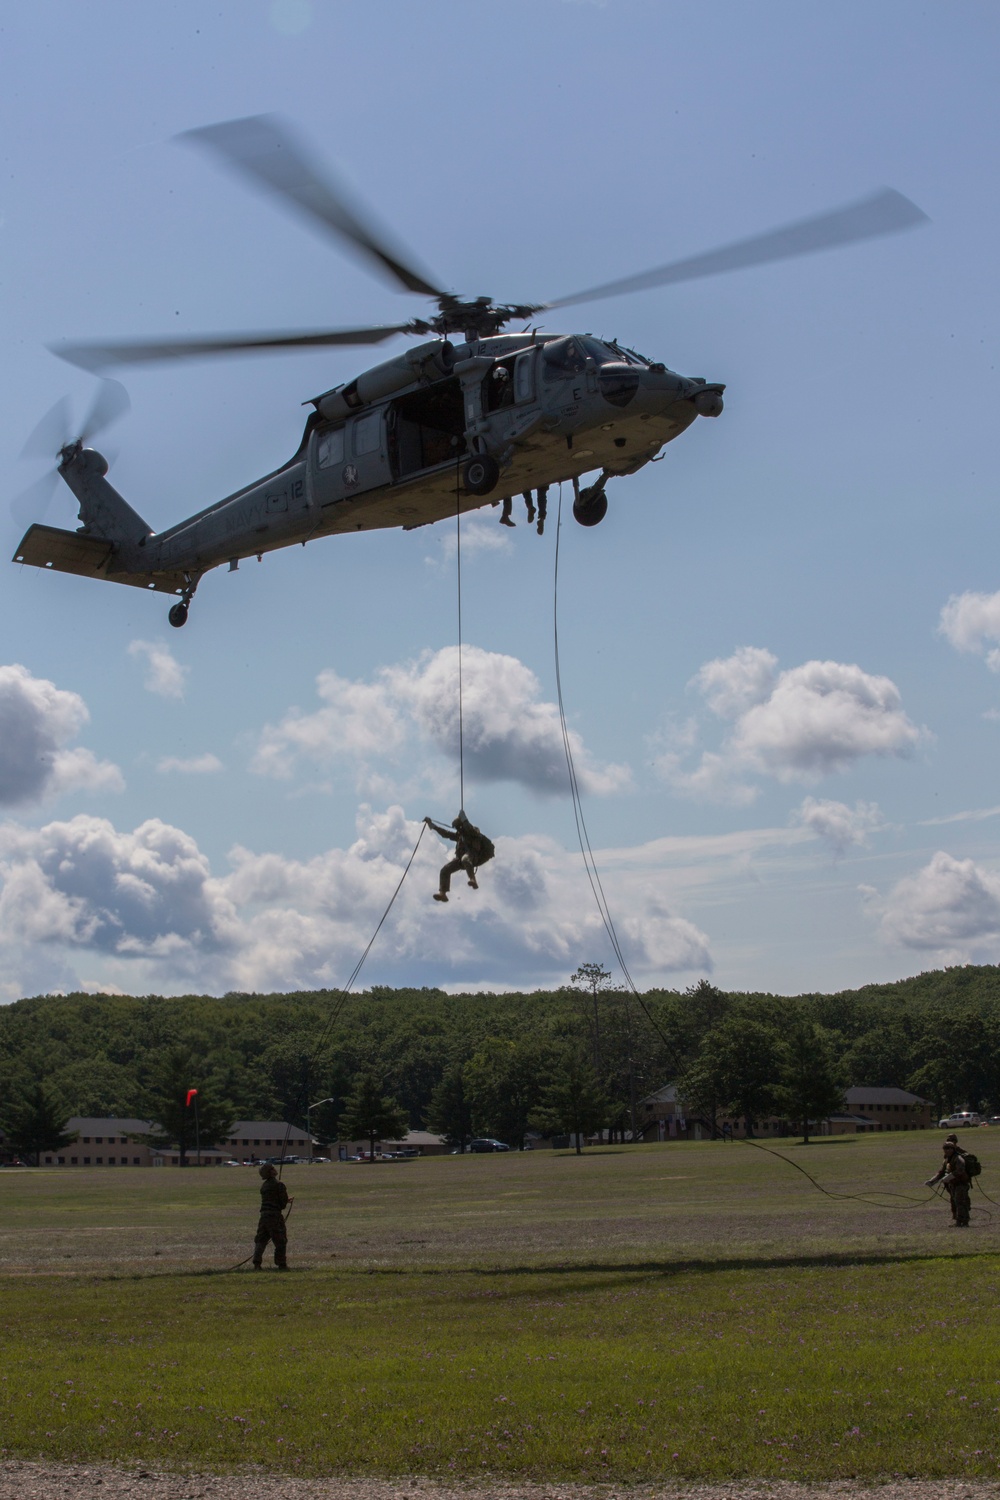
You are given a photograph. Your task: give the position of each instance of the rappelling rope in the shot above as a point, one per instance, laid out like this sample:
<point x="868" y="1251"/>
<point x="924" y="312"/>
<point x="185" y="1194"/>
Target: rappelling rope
<point x="593" y="876"/>
<point x="589" y="862"/>
<point x="461" y="724"/>
<point x="341" y="999"/>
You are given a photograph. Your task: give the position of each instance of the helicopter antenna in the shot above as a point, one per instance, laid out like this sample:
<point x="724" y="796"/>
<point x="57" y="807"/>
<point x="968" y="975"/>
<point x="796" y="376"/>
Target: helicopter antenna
<point x="461" y="724"/>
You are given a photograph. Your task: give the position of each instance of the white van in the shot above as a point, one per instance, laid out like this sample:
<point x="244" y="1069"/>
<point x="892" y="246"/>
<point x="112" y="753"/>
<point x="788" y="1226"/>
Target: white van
<point x="961" y="1117"/>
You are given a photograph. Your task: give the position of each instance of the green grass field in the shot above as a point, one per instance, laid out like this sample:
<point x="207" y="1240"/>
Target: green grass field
<point x="682" y="1310"/>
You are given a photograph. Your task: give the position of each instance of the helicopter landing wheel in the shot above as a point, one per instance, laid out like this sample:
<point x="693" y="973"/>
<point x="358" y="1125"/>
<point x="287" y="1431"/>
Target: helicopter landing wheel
<point x="177" y="615"/>
<point x="590" y="506"/>
<point x="480" y="475"/>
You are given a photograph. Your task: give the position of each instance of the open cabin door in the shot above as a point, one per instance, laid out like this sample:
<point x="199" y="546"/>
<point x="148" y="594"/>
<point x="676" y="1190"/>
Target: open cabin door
<point x="426" y="429"/>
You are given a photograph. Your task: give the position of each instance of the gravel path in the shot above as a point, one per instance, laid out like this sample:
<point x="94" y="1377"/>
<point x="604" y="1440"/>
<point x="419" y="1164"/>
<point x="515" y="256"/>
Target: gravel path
<point x="29" y="1481"/>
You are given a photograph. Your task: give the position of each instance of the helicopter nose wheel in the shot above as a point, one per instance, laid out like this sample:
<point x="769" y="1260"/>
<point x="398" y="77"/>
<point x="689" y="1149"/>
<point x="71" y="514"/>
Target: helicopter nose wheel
<point x="480" y="475"/>
<point x="591" y="505"/>
<point x="177" y="615"/>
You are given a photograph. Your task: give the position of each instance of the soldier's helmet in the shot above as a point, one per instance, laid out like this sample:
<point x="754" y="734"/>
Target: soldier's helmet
<point x="952" y="1138"/>
<point x="267" y="1170"/>
<point x="460" y="822"/>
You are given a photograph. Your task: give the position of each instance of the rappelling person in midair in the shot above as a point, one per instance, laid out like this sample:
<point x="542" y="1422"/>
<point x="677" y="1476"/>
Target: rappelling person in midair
<point x="472" y="849"/>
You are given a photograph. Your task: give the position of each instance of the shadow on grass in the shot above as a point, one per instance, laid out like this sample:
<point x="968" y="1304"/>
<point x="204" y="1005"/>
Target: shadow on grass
<point x="829" y="1260"/>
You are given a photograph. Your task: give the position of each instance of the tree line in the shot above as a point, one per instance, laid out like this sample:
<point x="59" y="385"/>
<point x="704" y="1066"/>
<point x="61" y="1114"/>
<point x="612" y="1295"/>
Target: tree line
<point x="576" y="1059"/>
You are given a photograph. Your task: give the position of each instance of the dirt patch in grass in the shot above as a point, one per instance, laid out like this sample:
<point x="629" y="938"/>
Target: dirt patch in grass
<point x="26" y="1481"/>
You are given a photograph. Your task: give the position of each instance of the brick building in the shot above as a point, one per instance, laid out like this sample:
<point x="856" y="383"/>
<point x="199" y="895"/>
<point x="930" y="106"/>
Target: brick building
<point x="110" y="1142"/>
<point x="890" y="1109"/>
<point x="662" y="1116"/>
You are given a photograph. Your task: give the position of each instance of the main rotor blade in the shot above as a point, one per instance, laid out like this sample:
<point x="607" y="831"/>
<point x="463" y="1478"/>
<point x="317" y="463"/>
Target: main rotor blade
<point x="137" y="351"/>
<point x="45" y="440"/>
<point x="885" y="212"/>
<point x="110" y="403"/>
<point x="262" y="148"/>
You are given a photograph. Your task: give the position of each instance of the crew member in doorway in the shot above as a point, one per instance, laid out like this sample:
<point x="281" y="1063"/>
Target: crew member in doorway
<point x="952" y="1173"/>
<point x="472" y="849"/>
<point x="271" y="1225"/>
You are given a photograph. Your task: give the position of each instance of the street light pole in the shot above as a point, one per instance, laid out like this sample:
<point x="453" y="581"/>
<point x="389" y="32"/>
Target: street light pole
<point x="311" y="1107"/>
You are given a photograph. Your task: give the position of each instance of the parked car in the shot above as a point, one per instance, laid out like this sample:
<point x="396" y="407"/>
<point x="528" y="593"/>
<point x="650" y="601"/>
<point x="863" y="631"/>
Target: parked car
<point x="966" y="1117"/>
<point x="487" y="1143"/>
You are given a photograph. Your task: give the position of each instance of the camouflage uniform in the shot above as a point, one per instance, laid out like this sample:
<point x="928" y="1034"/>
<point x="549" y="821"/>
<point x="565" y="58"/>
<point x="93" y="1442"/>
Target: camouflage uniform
<point x="271" y="1225"/>
<point x="472" y="849"/>
<point x="952" y="1173"/>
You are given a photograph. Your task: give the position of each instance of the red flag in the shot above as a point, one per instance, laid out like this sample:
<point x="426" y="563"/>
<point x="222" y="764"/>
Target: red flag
<point x="191" y="1094"/>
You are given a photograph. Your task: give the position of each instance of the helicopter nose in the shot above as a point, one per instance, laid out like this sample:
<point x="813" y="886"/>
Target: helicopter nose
<point x="708" y="402"/>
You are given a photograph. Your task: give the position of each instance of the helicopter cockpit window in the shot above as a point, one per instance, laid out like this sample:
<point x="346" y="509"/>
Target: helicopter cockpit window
<point x="562" y="357"/>
<point x="330" y="448"/>
<point x="605" y="353"/>
<point x="367" y="437"/>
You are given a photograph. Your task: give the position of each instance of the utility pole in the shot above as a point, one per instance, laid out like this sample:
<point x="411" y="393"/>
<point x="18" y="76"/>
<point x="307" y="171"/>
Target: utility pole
<point x="193" y="1094"/>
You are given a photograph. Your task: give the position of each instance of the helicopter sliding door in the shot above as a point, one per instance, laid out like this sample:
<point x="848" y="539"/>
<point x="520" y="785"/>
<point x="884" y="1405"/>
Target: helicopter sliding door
<point x="367" y="463"/>
<point x="426" y="429"/>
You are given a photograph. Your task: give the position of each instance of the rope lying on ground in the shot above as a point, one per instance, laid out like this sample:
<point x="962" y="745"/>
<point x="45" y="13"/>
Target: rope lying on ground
<point x="594" y="878"/>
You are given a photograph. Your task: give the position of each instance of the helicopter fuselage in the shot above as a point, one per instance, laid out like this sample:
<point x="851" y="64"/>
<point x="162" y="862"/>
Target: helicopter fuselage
<point x="439" y="429"/>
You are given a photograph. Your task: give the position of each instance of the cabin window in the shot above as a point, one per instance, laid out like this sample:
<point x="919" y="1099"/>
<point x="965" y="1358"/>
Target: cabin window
<point x="367" y="437"/>
<point x="330" y="448"/>
<point x="498" y="387"/>
<point x="524" y="384"/>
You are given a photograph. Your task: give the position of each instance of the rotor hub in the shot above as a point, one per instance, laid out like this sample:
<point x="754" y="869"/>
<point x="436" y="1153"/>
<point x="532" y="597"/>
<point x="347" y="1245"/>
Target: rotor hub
<point x="480" y="318"/>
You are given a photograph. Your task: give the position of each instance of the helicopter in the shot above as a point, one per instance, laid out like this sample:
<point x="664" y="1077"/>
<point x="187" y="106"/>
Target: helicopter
<point x="471" y="414"/>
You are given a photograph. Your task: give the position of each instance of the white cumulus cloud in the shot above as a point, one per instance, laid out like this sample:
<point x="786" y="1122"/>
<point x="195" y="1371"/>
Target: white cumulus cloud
<point x="192" y="765"/>
<point x="837" y="824"/>
<point x="480" y="534"/>
<point x="164" y="674"/>
<point x="84" y="883"/>
<point x="970" y="621"/>
<point x="951" y="906"/>
<point x="511" y="733"/>
<point x="797" y="725"/>
<point x="37" y="721"/>
<point x="730" y="685"/>
<point x="142" y="910"/>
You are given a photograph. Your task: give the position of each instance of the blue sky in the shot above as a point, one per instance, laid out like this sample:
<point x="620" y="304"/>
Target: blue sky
<point x="776" y="648"/>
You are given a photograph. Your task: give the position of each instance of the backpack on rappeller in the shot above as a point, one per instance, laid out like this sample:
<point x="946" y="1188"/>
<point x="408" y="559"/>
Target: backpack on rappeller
<point x="480" y="847"/>
<point x="972" y="1163"/>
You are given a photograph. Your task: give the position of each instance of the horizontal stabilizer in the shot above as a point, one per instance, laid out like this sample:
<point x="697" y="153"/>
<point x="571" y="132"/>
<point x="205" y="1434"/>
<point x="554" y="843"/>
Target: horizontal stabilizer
<point x="89" y="556"/>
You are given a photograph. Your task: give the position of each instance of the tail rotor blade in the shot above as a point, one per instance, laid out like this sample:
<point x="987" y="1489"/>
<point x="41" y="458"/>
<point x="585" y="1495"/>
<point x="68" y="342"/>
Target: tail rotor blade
<point x="51" y="433"/>
<point x="32" y="504"/>
<point x="109" y="405"/>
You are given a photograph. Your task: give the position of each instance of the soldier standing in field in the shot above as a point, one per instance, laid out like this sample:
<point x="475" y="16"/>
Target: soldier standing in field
<point x="952" y="1173"/>
<point x="271" y="1225"/>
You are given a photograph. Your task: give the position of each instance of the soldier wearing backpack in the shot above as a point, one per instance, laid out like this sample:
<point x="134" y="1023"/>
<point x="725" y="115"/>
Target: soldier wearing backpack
<point x="956" y="1173"/>
<point x="472" y="849"/>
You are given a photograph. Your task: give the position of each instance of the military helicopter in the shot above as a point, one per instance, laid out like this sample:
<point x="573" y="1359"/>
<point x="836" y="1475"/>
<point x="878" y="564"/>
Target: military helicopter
<point x="438" y="429"/>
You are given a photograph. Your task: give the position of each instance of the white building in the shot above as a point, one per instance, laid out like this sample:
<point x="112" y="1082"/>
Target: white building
<point x="111" y="1142"/>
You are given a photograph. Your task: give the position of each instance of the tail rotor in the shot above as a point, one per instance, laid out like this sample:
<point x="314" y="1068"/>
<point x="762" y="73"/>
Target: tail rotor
<point x="53" y="438"/>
